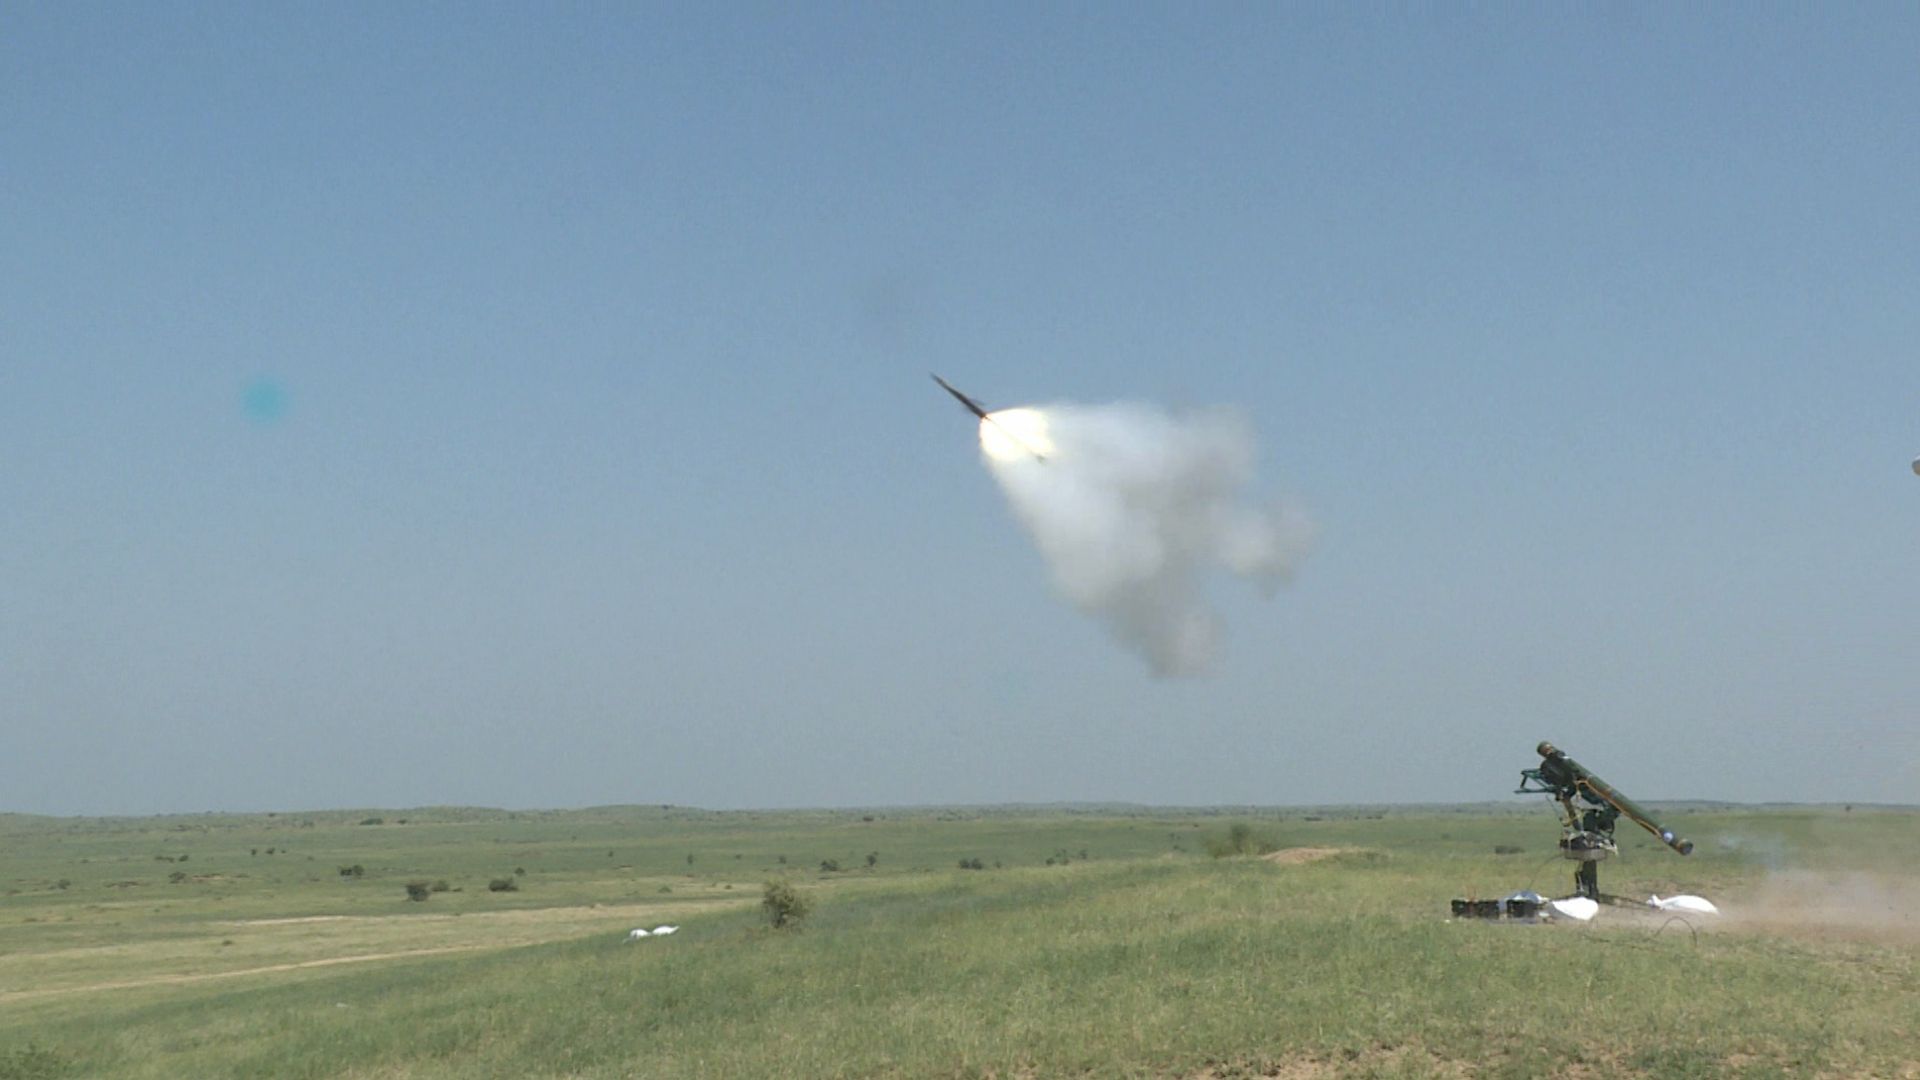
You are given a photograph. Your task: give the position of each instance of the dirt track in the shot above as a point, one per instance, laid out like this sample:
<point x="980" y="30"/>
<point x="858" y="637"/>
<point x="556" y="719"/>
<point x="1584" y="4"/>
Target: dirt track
<point x="174" y="980"/>
<point x="359" y="939"/>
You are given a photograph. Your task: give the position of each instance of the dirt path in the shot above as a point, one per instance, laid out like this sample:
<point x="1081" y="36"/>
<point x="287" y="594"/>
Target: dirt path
<point x="502" y="929"/>
<point x="175" y="980"/>
<point x="573" y="912"/>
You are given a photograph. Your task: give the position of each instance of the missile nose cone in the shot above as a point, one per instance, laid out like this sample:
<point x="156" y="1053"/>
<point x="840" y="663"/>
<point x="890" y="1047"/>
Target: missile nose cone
<point x="966" y="402"/>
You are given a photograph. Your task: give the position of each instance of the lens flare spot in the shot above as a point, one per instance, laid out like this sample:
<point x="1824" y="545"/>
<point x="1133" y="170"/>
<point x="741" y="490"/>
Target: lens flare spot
<point x="1013" y="434"/>
<point x="265" y="401"/>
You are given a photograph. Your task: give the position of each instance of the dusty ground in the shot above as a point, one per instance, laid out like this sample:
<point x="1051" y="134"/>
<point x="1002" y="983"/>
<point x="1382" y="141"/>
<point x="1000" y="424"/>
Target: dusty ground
<point x="1841" y="906"/>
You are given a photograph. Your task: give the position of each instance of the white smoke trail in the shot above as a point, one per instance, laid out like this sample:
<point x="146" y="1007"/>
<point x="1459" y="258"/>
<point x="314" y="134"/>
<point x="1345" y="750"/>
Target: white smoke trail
<point x="1130" y="505"/>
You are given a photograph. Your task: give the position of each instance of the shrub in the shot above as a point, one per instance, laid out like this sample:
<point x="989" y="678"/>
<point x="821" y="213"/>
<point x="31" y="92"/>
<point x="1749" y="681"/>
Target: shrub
<point x="418" y="890"/>
<point x="785" y="905"/>
<point x="503" y="884"/>
<point x="177" y="877"/>
<point x="442" y="886"/>
<point x="373" y="821"/>
<point x="1240" y="840"/>
<point x="872" y="857"/>
<point x="972" y="864"/>
<point x="1507" y="849"/>
<point x="830" y="866"/>
<point x="354" y="871"/>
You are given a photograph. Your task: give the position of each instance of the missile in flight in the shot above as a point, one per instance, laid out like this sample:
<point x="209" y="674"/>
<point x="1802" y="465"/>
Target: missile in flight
<point x="973" y="406"/>
<point x="987" y="418"/>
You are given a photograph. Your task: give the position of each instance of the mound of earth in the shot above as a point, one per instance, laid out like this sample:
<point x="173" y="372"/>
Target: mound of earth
<point x="1294" y="856"/>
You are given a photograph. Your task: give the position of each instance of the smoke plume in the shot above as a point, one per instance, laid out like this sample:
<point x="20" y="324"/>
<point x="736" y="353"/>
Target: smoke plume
<point x="1131" y="506"/>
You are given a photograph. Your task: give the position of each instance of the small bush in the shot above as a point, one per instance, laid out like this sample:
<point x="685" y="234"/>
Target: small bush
<point x="418" y="890"/>
<point x="872" y="858"/>
<point x="1240" y="840"/>
<point x="373" y="821"/>
<point x="503" y="884"/>
<point x="829" y="866"/>
<point x="176" y="877"/>
<point x="785" y="905"/>
<point x="354" y="871"/>
<point x="442" y="886"/>
<point x="1507" y="849"/>
<point x="972" y="864"/>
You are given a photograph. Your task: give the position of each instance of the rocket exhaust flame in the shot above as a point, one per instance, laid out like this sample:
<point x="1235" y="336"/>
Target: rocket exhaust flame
<point x="1002" y="437"/>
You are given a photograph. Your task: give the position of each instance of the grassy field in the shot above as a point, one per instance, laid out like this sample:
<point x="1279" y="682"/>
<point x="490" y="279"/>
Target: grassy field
<point x="1091" y="942"/>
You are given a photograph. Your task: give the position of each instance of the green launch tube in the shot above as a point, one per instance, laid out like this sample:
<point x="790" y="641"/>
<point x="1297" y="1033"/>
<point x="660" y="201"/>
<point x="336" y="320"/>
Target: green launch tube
<point x="1563" y="772"/>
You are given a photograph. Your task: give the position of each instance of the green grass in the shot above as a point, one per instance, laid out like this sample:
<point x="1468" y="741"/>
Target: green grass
<point x="1145" y="958"/>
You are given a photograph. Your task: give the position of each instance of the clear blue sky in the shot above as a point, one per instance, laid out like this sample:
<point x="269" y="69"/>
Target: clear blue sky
<point x="527" y="404"/>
